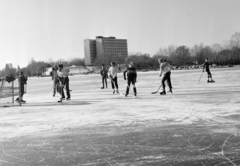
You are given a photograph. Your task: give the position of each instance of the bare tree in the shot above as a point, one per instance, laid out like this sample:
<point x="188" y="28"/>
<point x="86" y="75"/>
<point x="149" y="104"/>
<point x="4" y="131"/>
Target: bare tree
<point x="182" y="55"/>
<point x="235" y="40"/>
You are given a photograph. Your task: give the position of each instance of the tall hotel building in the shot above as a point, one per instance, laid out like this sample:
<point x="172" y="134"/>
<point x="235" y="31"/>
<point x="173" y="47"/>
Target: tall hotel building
<point x="104" y="46"/>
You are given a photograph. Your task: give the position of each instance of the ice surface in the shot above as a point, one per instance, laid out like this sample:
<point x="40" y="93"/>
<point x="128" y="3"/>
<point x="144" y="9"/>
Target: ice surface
<point x="202" y="120"/>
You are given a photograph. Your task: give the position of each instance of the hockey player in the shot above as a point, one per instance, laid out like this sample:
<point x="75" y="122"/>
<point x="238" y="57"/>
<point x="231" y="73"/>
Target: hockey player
<point x="113" y="70"/>
<point x="165" y="70"/>
<point x="64" y="81"/>
<point x="206" y="65"/>
<point x="104" y="74"/>
<point x="169" y="80"/>
<point x="131" y="78"/>
<point x="22" y="82"/>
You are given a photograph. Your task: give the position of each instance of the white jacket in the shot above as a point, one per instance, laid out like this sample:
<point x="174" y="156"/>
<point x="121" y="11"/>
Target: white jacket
<point x="164" y="68"/>
<point x="113" y="71"/>
<point x="62" y="73"/>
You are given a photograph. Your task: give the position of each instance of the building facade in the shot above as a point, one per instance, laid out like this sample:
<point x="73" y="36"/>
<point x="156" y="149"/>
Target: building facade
<point x="90" y="51"/>
<point x="104" y="46"/>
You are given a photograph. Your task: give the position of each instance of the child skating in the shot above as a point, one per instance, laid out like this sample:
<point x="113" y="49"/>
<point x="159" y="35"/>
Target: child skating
<point x="55" y="79"/>
<point x="113" y="70"/>
<point x="131" y="78"/>
<point x="165" y="70"/>
<point x="64" y="82"/>
<point x="22" y="82"/>
<point x="104" y="75"/>
<point x="206" y="65"/>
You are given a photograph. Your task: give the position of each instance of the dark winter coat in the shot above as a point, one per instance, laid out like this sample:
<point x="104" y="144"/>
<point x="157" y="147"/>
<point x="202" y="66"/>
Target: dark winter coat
<point x="131" y="73"/>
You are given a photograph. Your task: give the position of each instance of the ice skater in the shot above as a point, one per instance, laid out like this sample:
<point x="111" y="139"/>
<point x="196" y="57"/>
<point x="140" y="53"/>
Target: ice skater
<point x="113" y="70"/>
<point x="22" y="85"/>
<point x="104" y="74"/>
<point x="131" y="78"/>
<point x="206" y="65"/>
<point x="64" y="82"/>
<point x="165" y="70"/>
<point x="55" y="79"/>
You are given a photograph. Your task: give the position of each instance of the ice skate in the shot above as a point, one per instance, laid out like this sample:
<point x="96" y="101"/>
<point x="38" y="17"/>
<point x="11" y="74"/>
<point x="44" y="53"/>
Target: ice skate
<point x="170" y="91"/>
<point x="163" y="93"/>
<point x="17" y="100"/>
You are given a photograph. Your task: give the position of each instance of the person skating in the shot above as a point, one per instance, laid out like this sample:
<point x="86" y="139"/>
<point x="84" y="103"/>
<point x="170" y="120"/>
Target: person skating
<point x="131" y="78"/>
<point x="165" y="70"/>
<point x="22" y="82"/>
<point x="55" y="79"/>
<point x="104" y="74"/>
<point x="64" y="82"/>
<point x="206" y="65"/>
<point x="169" y="80"/>
<point x="113" y="70"/>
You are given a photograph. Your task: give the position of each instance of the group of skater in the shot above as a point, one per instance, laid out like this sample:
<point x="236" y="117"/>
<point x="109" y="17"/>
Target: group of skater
<point x="130" y="75"/>
<point x="60" y="79"/>
<point x="60" y="82"/>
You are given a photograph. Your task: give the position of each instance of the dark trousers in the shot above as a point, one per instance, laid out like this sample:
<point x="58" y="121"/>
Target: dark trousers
<point x="104" y="80"/>
<point x="64" y="82"/>
<point x="167" y="77"/>
<point x="21" y="91"/>
<point x="209" y="73"/>
<point x="67" y="87"/>
<point x="61" y="88"/>
<point x="129" y="82"/>
<point x="114" y="83"/>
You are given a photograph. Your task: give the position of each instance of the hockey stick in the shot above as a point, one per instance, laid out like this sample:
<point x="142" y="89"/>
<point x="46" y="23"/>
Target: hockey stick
<point x="200" y="78"/>
<point x="157" y="90"/>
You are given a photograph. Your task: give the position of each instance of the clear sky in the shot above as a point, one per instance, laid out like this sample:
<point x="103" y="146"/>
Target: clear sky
<point x="55" y="29"/>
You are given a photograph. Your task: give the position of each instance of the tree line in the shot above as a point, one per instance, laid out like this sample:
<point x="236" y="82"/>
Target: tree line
<point x="219" y="54"/>
<point x="225" y="54"/>
<point x="38" y="68"/>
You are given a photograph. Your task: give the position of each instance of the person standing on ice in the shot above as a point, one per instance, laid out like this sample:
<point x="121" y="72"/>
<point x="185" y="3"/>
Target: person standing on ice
<point x="113" y="70"/>
<point x="131" y="78"/>
<point x="55" y="79"/>
<point x="22" y="82"/>
<point x="206" y="65"/>
<point x="104" y="74"/>
<point x="64" y="80"/>
<point x="165" y="70"/>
